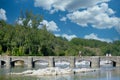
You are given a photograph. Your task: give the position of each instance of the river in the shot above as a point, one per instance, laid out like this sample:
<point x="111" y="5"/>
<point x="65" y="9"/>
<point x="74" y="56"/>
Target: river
<point x="105" y="73"/>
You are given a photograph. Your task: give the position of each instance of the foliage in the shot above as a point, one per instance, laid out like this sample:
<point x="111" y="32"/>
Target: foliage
<point x="24" y="40"/>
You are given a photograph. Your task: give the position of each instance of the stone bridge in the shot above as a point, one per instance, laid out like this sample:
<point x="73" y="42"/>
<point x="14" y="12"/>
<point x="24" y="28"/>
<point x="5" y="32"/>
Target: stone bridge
<point x="9" y="61"/>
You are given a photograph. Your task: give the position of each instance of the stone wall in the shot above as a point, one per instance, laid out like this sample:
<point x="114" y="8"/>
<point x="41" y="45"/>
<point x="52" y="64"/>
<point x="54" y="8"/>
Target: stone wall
<point x="30" y="60"/>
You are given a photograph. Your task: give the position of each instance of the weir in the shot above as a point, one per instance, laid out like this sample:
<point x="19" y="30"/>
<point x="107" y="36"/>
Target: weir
<point x="30" y="60"/>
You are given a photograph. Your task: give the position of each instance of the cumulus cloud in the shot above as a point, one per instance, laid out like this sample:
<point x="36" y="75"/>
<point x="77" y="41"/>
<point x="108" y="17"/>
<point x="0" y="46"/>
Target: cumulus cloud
<point x="20" y="21"/>
<point x="99" y="16"/>
<point x="95" y="37"/>
<point x="118" y="29"/>
<point x="3" y="14"/>
<point x="51" y="26"/>
<point x="62" y="5"/>
<point x="78" y="4"/>
<point x="44" y="4"/>
<point x="63" y="19"/>
<point x="68" y="37"/>
<point x="30" y="23"/>
<point x="83" y="12"/>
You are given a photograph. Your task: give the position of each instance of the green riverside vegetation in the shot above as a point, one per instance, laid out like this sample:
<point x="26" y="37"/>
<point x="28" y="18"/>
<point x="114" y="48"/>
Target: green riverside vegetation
<point x="24" y="40"/>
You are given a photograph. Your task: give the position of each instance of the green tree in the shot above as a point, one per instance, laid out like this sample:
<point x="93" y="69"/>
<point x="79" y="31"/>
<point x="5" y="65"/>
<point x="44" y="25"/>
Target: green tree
<point x="29" y="16"/>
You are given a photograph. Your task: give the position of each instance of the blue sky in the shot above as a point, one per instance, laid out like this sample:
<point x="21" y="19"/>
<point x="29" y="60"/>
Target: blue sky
<point x="89" y="19"/>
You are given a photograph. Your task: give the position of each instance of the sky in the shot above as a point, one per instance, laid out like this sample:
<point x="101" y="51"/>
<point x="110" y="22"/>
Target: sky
<point x="88" y="19"/>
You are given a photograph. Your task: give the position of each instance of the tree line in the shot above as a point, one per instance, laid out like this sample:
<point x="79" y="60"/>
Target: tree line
<point x="27" y="40"/>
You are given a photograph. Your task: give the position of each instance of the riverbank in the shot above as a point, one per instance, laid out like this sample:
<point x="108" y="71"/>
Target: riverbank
<point x="51" y="71"/>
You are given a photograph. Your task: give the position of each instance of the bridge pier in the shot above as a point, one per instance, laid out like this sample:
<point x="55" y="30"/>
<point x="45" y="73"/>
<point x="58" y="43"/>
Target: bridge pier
<point x="0" y="63"/>
<point x="117" y="64"/>
<point x="8" y="61"/>
<point x="72" y="63"/>
<point x="51" y="62"/>
<point x="95" y="63"/>
<point x="30" y="62"/>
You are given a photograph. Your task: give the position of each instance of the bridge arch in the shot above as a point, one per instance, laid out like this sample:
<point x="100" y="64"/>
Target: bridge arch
<point x="29" y="60"/>
<point x="107" y="62"/>
<point x="62" y="62"/>
<point x="83" y="62"/>
<point x="115" y="60"/>
<point x="2" y="63"/>
<point x="114" y="63"/>
<point x="40" y="63"/>
<point x="17" y="63"/>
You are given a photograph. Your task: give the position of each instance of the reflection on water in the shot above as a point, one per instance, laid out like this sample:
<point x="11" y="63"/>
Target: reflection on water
<point x="108" y="75"/>
<point x="105" y="73"/>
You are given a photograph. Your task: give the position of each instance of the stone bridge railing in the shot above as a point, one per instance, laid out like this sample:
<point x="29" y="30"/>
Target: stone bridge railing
<point x="30" y="60"/>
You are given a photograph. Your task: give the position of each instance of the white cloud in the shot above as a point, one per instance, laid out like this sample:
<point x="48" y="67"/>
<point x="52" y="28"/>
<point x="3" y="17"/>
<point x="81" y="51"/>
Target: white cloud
<point x="51" y="26"/>
<point x="3" y="14"/>
<point x="118" y="27"/>
<point x="62" y="5"/>
<point x="84" y="12"/>
<point x="95" y="37"/>
<point x="78" y="4"/>
<point x="63" y="19"/>
<point x="45" y="4"/>
<point x="68" y="37"/>
<point x="19" y="21"/>
<point x="99" y="16"/>
<point x="30" y="23"/>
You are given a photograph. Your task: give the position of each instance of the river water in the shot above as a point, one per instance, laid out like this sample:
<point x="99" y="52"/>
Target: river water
<point x="105" y="73"/>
